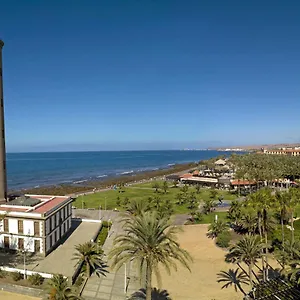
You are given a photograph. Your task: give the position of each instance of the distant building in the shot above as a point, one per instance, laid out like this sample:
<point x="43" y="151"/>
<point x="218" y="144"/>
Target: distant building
<point x="283" y="151"/>
<point x="35" y="223"/>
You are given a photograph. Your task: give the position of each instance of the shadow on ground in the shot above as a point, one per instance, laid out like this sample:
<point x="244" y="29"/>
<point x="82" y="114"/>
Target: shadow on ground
<point x="155" y="295"/>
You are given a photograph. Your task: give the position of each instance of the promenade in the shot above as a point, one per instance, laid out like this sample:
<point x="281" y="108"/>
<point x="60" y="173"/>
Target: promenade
<point x="116" y="285"/>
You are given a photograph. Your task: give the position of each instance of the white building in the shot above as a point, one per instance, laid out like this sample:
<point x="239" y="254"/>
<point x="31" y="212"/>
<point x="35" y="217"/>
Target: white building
<point x="35" y="223"/>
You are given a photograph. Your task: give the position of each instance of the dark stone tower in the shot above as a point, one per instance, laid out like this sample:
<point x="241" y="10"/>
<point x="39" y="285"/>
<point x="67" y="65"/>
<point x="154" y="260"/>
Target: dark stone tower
<point x="3" y="184"/>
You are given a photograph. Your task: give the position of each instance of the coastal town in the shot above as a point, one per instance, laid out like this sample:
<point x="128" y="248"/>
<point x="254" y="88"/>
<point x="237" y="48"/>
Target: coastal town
<point x="149" y="150"/>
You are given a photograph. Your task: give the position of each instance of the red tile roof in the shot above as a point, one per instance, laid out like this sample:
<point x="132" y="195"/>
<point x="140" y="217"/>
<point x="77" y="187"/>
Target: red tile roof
<point x="187" y="175"/>
<point x="48" y="205"/>
<point x="241" y="182"/>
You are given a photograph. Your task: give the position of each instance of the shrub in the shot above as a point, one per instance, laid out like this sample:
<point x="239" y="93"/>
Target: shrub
<point x="2" y="273"/>
<point x="223" y="239"/>
<point x="16" y="276"/>
<point x="36" y="279"/>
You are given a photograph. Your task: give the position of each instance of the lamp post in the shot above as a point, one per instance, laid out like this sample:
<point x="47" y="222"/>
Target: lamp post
<point x="24" y="262"/>
<point x="100" y="208"/>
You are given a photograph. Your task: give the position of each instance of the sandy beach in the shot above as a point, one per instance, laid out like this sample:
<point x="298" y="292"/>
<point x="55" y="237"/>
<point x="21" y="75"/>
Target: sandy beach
<point x="201" y="283"/>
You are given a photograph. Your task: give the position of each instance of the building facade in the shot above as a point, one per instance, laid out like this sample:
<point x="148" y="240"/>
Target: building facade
<point x="290" y="152"/>
<point x="35" y="223"/>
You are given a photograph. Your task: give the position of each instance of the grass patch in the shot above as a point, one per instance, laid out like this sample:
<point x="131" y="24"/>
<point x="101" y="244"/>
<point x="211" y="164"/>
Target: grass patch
<point x="102" y="234"/>
<point x="142" y="192"/>
<point x="209" y="218"/>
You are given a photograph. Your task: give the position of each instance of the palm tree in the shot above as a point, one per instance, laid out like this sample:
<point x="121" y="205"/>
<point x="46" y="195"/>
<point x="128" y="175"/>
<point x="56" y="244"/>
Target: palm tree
<point x="165" y="187"/>
<point x="150" y="241"/>
<point x="156" y="186"/>
<point x="198" y="188"/>
<point x="216" y="228"/>
<point x="233" y="277"/>
<point x="249" y="220"/>
<point x="247" y="250"/>
<point x="136" y="207"/>
<point x="91" y="257"/>
<point x="263" y="202"/>
<point x="283" y="205"/>
<point x="156" y="294"/>
<point x="234" y="212"/>
<point x="293" y="195"/>
<point x="59" y="289"/>
<point x="208" y="205"/>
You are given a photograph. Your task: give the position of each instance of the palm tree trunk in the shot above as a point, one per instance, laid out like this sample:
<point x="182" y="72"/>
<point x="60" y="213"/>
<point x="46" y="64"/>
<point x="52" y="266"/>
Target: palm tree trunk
<point x="266" y="255"/>
<point x="148" y="282"/>
<point x="282" y="233"/>
<point x="292" y="225"/>
<point x="88" y="270"/>
<point x="261" y="238"/>
<point x="250" y="275"/>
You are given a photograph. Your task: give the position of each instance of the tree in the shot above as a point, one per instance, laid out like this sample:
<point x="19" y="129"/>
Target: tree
<point x="165" y="186"/>
<point x="156" y="186"/>
<point x="150" y="241"/>
<point x="91" y="257"/>
<point x="263" y="202"/>
<point x="213" y="194"/>
<point x="283" y="205"/>
<point x="156" y="294"/>
<point x="247" y="250"/>
<point x="208" y="205"/>
<point x="293" y="195"/>
<point x="235" y="211"/>
<point x="233" y="277"/>
<point x="125" y="202"/>
<point x="137" y="207"/>
<point x="60" y="290"/>
<point x="215" y="228"/>
<point x="198" y="188"/>
<point x="179" y="198"/>
<point x="118" y="201"/>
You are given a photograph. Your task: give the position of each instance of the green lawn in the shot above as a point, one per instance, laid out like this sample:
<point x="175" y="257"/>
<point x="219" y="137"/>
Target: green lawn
<point x="142" y="192"/>
<point x="210" y="218"/>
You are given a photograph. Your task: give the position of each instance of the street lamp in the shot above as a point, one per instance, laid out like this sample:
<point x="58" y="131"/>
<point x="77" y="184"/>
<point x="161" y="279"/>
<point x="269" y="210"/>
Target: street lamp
<point x="24" y="261"/>
<point x="100" y="208"/>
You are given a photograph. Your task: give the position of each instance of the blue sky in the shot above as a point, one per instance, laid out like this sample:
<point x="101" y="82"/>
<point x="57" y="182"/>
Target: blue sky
<point x="98" y="75"/>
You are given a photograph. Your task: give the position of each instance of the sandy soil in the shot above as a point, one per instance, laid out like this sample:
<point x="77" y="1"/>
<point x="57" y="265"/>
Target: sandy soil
<point x="12" y="296"/>
<point x="201" y="283"/>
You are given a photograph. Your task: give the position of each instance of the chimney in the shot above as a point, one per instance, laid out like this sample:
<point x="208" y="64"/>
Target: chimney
<point x="3" y="184"/>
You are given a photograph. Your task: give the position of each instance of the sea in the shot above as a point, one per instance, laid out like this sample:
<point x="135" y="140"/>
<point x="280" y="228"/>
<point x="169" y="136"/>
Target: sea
<point x="28" y="170"/>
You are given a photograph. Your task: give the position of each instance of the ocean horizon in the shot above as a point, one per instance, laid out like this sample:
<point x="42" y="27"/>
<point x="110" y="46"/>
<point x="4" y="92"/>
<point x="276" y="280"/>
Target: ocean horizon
<point x="36" y="169"/>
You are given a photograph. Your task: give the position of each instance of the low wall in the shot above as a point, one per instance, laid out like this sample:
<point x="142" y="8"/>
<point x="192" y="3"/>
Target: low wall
<point x="27" y="272"/>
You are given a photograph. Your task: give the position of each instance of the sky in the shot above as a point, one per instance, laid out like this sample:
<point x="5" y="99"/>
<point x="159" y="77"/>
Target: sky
<point x="159" y="74"/>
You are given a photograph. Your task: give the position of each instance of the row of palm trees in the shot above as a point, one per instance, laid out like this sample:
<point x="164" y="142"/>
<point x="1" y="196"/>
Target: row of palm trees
<point x="257" y="217"/>
<point x="148" y="239"/>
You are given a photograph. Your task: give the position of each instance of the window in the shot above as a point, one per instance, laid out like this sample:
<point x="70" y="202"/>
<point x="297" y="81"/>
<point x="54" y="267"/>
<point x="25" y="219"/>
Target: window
<point x="20" y="226"/>
<point x="6" y="242"/>
<point x="37" y="246"/>
<point x="37" y="228"/>
<point x="6" y="227"/>
<point x="20" y="244"/>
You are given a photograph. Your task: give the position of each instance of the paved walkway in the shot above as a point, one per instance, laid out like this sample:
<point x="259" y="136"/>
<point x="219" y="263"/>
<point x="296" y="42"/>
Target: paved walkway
<point x="60" y="260"/>
<point x="116" y="285"/>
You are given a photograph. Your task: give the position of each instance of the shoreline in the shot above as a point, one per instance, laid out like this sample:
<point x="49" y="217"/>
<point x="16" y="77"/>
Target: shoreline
<point x="106" y="182"/>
